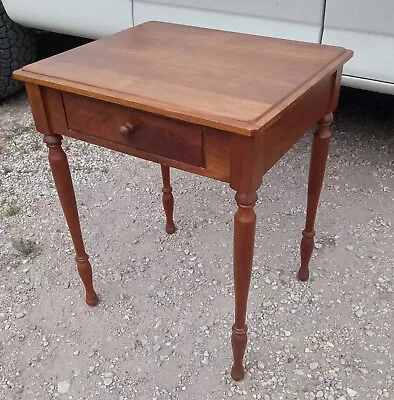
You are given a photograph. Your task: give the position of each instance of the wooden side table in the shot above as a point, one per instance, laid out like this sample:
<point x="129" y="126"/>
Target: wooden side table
<point x="224" y="105"/>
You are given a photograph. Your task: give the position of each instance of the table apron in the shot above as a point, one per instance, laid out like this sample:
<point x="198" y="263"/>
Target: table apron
<point x="240" y="160"/>
<point x="199" y="150"/>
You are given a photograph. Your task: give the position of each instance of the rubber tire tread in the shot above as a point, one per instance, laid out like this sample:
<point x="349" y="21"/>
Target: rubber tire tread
<point x="18" y="47"/>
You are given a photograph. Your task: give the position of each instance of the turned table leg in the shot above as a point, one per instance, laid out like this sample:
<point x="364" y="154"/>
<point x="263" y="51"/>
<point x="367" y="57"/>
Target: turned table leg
<point x="168" y="199"/>
<point x="244" y="233"/>
<point x="62" y="177"/>
<point x="321" y="143"/>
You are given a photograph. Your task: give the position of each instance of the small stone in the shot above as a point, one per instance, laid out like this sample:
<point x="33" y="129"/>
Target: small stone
<point x="92" y="368"/>
<point x="187" y="251"/>
<point x="287" y="333"/>
<point x="63" y="387"/>
<point x="19" y="315"/>
<point x="122" y="296"/>
<point x="358" y="313"/>
<point x="318" y="245"/>
<point x="369" y="333"/>
<point x="3" y="317"/>
<point x="19" y="389"/>
<point x="299" y="372"/>
<point x="107" y="381"/>
<point x="260" y="365"/>
<point x="319" y="394"/>
<point x="161" y="294"/>
<point x="117" y="276"/>
<point x="108" y="378"/>
<point x="76" y="352"/>
<point x="349" y="248"/>
<point x="313" y="365"/>
<point x="156" y="348"/>
<point x="364" y="371"/>
<point x="158" y="324"/>
<point x="351" y="392"/>
<point x="76" y="372"/>
<point x="205" y="361"/>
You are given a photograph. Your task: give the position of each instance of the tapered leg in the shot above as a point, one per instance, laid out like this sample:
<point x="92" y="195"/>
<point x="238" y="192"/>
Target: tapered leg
<point x="62" y="177"/>
<point x="244" y="233"/>
<point x="168" y="199"/>
<point x="320" y="146"/>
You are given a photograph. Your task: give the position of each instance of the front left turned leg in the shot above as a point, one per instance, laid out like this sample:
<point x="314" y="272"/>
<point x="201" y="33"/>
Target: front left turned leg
<point x="320" y="146"/>
<point x="244" y="233"/>
<point x="168" y="199"/>
<point x="62" y="177"/>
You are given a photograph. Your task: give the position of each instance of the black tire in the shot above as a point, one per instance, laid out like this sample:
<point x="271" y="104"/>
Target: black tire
<point x="17" y="48"/>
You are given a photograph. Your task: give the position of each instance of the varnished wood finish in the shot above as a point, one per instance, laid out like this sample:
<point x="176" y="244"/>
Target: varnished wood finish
<point x="163" y="136"/>
<point x="225" y="80"/>
<point x="223" y="105"/>
<point x="284" y="132"/>
<point x="62" y="177"/>
<point x="168" y="199"/>
<point x="320" y="146"/>
<point x="244" y="233"/>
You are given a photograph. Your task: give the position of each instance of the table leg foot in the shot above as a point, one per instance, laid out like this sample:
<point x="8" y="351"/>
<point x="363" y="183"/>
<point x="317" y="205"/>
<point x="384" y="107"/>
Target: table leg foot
<point x="239" y="340"/>
<point x="170" y="228"/>
<point x="320" y="146"/>
<point x="307" y="245"/>
<point x="62" y="177"/>
<point x="168" y="200"/>
<point x="85" y="272"/>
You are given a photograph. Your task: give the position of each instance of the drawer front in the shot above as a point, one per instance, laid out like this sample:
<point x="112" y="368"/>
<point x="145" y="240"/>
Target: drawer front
<point x="141" y="130"/>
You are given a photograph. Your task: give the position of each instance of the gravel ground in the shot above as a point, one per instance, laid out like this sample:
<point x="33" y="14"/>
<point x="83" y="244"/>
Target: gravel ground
<point x="162" y="328"/>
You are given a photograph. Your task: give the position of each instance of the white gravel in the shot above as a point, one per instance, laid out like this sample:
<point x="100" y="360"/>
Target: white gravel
<point x="162" y="328"/>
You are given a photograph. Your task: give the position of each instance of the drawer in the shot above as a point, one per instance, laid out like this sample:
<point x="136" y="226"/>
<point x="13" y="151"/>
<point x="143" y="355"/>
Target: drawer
<point x="176" y="140"/>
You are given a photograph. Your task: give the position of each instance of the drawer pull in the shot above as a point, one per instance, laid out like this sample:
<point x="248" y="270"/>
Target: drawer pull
<point x="127" y="130"/>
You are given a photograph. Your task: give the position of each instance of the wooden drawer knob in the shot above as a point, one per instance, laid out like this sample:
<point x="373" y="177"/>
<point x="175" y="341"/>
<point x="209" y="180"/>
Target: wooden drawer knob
<point x="127" y="129"/>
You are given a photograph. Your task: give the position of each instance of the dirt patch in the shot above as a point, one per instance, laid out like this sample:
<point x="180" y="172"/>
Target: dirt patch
<point x="162" y="328"/>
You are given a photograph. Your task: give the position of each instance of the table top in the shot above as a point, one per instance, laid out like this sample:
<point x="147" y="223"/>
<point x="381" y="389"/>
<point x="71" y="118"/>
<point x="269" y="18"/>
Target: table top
<point x="230" y="81"/>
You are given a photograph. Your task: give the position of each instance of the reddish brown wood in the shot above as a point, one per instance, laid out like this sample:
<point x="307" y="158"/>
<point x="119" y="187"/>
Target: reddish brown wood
<point x="158" y="135"/>
<point x="320" y="146"/>
<point x="168" y="199"/>
<point x="217" y="153"/>
<point x="162" y="68"/>
<point x="62" y="177"/>
<point x="336" y="87"/>
<point x="279" y="137"/>
<point x="244" y="233"/>
<point x="144" y="93"/>
<point x="38" y="107"/>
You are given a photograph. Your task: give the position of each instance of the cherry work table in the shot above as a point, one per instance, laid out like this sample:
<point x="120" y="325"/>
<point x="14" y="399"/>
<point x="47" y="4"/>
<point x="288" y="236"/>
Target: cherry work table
<point x="224" y="105"/>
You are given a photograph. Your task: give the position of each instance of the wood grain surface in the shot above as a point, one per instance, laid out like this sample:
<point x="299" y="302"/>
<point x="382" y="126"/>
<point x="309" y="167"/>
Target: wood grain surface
<point x="224" y="80"/>
<point x="167" y="137"/>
